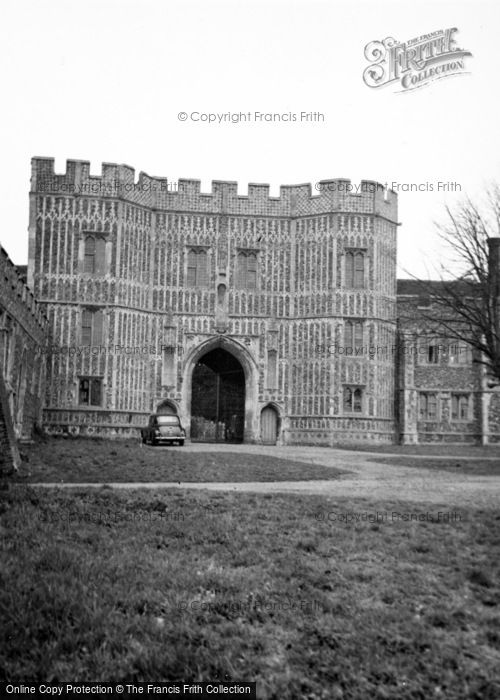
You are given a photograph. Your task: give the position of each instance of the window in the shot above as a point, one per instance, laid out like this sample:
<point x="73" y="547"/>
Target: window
<point x="197" y="268"/>
<point x="428" y="406"/>
<point x="353" y="336"/>
<point x="90" y="391"/>
<point x="353" y="399"/>
<point x="429" y="352"/>
<point x="6" y="339"/>
<point x="271" y="369"/>
<point x="89" y="265"/>
<point x="167" y="420"/>
<point x="92" y="326"/>
<point x="432" y="354"/>
<point x="424" y="301"/>
<point x="168" y="366"/>
<point x="246" y="272"/>
<point x="355" y="269"/>
<point x="460" y="406"/>
<point x="94" y="258"/>
<point x="459" y="354"/>
<point x="221" y="295"/>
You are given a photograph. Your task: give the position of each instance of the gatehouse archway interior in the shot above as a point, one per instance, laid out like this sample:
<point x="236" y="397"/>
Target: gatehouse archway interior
<point x="218" y="398"/>
<point x="166" y="408"/>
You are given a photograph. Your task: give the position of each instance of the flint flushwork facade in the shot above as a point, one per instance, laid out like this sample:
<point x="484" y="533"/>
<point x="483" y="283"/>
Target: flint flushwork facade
<point x="144" y="285"/>
<point x="23" y="332"/>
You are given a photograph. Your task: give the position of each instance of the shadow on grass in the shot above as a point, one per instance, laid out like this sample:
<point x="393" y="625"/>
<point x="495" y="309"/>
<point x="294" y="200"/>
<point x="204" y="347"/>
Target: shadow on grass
<point x="479" y="467"/>
<point x="77" y="460"/>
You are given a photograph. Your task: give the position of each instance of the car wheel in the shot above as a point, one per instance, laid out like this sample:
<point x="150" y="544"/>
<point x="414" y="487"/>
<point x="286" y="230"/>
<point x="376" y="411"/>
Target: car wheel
<point x="154" y="442"/>
<point x="144" y="441"/>
<point x="181" y="443"/>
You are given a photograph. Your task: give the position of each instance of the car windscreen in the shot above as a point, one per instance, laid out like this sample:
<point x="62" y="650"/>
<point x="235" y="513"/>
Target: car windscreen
<point x="167" y="420"/>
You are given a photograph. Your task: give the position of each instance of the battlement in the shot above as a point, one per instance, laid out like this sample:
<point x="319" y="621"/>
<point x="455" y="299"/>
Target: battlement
<point x="118" y="181"/>
<point x="17" y="291"/>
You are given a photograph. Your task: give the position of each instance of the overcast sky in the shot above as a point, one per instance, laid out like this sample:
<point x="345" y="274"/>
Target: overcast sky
<point x="105" y="81"/>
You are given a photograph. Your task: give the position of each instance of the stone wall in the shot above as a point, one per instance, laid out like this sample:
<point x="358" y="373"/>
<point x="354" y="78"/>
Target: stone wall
<point x="23" y="328"/>
<point x="447" y="375"/>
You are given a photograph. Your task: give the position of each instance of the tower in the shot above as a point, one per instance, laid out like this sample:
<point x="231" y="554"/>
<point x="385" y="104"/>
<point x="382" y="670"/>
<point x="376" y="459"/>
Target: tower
<point x="143" y="285"/>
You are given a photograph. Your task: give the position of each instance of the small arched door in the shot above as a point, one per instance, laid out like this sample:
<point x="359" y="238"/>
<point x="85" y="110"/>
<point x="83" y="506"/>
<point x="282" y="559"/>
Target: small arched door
<point x="269" y="425"/>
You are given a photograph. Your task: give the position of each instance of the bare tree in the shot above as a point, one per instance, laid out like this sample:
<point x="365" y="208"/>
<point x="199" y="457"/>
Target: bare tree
<point x="467" y="308"/>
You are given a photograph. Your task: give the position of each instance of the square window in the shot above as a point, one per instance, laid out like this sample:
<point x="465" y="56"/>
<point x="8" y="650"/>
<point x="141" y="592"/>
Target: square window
<point x="460" y="407"/>
<point x="90" y="391"/>
<point x="197" y="268"/>
<point x="355" y="269"/>
<point x="429" y="351"/>
<point x="428" y="406"/>
<point x="246" y="269"/>
<point x="353" y="399"/>
<point x="92" y="327"/>
<point x="353" y="336"/>
<point x="459" y="353"/>
<point x="94" y="255"/>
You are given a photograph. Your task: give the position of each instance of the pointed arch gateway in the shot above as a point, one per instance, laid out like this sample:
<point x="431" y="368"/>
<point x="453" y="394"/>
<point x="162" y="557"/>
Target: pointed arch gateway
<point x="219" y="390"/>
<point x="218" y="398"/>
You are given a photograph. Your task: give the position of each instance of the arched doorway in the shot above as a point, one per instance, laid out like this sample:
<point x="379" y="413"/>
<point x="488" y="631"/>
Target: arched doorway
<point x="269" y="425"/>
<point x="218" y="398"/>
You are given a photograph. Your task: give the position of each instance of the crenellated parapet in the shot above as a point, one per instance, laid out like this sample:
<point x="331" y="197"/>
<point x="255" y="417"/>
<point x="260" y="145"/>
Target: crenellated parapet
<point x="23" y="335"/>
<point x="160" y="193"/>
<point x="18" y="299"/>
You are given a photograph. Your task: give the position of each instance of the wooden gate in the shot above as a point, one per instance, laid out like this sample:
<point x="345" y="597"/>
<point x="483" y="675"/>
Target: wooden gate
<point x="218" y="399"/>
<point x="269" y="425"/>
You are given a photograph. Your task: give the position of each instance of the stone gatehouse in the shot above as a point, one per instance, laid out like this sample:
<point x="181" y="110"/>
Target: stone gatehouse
<point x="234" y="311"/>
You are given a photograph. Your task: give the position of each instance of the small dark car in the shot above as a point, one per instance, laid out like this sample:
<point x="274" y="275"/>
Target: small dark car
<point x="163" y="429"/>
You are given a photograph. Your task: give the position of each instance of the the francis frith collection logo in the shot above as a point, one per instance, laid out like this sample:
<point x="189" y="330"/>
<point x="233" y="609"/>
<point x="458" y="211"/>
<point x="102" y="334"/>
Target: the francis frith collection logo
<point x="414" y="63"/>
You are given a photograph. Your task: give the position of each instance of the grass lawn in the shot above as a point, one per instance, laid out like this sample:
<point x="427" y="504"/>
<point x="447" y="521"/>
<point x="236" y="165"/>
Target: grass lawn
<point x="94" y="460"/>
<point x="446" y="450"/>
<point x="480" y="467"/>
<point x="191" y="586"/>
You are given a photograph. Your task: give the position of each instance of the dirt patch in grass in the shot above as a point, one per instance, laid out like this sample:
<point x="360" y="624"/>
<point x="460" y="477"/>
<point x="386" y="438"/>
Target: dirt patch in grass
<point x="80" y="460"/>
<point x="479" y="467"/>
<point x="311" y="598"/>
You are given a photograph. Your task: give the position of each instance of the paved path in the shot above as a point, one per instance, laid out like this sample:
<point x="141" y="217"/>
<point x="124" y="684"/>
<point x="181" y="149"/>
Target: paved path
<point x="367" y="479"/>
